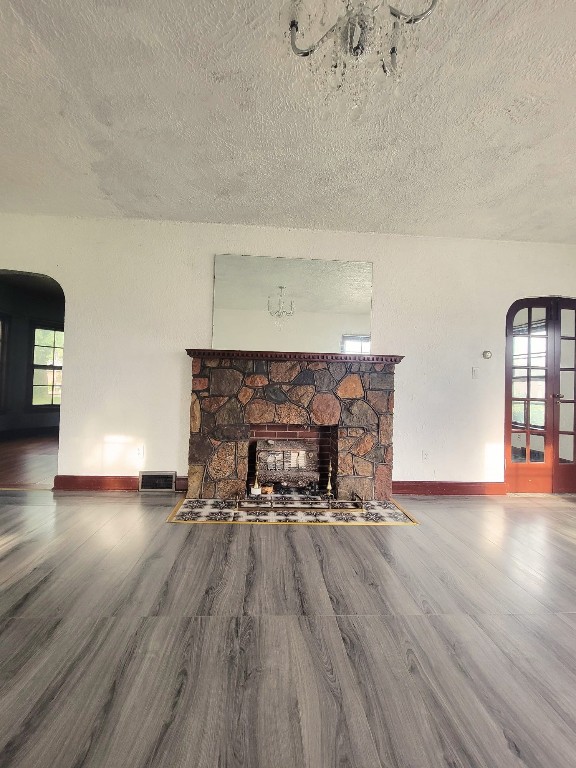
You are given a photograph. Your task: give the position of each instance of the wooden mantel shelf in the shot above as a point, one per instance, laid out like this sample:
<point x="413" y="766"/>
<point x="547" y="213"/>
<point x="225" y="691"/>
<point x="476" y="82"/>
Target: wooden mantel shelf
<point x="225" y="354"/>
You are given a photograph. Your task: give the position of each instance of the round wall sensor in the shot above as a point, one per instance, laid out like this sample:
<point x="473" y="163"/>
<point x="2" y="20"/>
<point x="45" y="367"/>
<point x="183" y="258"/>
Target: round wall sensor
<point x="486" y="354"/>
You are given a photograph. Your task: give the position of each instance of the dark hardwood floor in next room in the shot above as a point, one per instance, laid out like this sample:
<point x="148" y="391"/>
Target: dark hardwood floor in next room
<point x="28" y="462"/>
<point x="128" y="642"/>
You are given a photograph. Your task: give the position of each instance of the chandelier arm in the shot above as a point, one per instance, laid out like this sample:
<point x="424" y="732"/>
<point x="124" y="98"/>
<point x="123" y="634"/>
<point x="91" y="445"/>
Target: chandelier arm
<point x="406" y="18"/>
<point x="341" y="20"/>
<point x="413" y="18"/>
<point x="307" y="51"/>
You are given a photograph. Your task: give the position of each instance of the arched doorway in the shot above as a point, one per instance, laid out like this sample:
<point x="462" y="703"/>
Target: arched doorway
<point x="31" y="359"/>
<point x="541" y="395"/>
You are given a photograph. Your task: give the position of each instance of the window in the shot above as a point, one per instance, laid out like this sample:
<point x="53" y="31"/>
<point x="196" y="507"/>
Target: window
<point x="47" y="367"/>
<point x="355" y="345"/>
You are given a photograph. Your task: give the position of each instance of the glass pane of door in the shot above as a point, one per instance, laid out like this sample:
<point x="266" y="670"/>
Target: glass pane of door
<point x="567" y="353"/>
<point x="566" y="421"/>
<point x="537" y="447"/>
<point x="518" y="447"/>
<point x="567" y="384"/>
<point x="520" y="321"/>
<point x="567" y="328"/>
<point x="520" y="382"/>
<point x="566" y="449"/>
<point x="538" y="324"/>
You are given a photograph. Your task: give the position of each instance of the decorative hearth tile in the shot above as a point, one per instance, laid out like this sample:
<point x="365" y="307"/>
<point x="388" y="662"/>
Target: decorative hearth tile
<point x="304" y="510"/>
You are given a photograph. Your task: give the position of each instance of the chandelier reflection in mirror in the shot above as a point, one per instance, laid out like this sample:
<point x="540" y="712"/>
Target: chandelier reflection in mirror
<point x="278" y="308"/>
<point x="364" y="48"/>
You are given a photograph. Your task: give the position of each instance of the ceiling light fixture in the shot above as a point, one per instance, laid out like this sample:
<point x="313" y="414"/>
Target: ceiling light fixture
<point x="367" y="33"/>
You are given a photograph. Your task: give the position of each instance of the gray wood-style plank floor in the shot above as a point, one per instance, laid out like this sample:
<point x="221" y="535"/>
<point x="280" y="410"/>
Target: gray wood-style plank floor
<point x="125" y="641"/>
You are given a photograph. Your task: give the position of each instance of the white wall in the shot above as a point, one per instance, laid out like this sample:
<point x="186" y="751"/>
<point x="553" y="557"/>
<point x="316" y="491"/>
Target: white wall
<point x="139" y="292"/>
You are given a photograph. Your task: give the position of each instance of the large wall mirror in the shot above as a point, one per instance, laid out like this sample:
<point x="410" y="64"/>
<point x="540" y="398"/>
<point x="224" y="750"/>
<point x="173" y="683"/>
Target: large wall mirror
<point x="291" y="305"/>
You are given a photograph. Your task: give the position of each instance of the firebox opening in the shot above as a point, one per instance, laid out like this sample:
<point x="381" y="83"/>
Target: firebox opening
<point x="292" y="458"/>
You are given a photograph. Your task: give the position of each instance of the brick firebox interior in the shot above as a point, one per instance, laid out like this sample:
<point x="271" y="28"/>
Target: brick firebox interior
<point x="236" y="394"/>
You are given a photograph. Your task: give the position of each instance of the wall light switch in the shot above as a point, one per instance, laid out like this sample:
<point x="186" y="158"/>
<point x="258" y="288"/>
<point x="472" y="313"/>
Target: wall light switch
<point x="474" y="372"/>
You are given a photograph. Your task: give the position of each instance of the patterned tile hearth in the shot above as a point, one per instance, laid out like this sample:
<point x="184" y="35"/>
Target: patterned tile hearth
<point x="306" y="510"/>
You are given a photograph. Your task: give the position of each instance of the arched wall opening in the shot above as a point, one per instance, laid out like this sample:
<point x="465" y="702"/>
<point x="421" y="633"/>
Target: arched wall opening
<point x="32" y="308"/>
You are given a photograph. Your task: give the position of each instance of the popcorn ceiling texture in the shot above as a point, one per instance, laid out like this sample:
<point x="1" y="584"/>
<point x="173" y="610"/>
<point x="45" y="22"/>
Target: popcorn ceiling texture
<point x="168" y="109"/>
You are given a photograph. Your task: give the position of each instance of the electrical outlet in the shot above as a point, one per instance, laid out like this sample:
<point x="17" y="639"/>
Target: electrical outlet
<point x="425" y="455"/>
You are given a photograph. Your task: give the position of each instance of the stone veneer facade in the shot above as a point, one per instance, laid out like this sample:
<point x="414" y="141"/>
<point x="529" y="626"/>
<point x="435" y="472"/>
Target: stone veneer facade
<point x="234" y="392"/>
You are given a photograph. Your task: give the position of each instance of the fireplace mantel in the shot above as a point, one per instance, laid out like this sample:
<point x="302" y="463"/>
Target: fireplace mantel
<point x="333" y="357"/>
<point x="239" y="396"/>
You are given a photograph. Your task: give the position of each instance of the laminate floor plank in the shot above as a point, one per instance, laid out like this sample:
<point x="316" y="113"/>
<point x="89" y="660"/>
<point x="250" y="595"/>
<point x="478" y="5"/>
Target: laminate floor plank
<point x="532" y="527"/>
<point x="400" y="717"/>
<point x="533" y="728"/>
<point x="40" y="659"/>
<point x="181" y="573"/>
<point x="359" y="579"/>
<point x="283" y="574"/>
<point x="473" y="707"/>
<point x="41" y="583"/>
<point x="96" y="567"/>
<point x="551" y="579"/>
<point x="204" y="577"/>
<point x="125" y="581"/>
<point x="12" y="520"/>
<point x="51" y="545"/>
<point x="38" y="518"/>
<point x="442" y="589"/>
<point x="298" y="703"/>
<point x="421" y="709"/>
<point x="161" y="698"/>
<point x="541" y="647"/>
<point x="126" y="641"/>
<point x="466" y="565"/>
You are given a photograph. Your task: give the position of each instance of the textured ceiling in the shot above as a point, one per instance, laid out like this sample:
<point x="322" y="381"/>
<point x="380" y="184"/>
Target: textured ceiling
<point x="198" y="111"/>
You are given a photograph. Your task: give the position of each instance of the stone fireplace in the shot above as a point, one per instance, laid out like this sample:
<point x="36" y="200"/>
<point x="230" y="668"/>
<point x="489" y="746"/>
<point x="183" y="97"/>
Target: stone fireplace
<point x="342" y="403"/>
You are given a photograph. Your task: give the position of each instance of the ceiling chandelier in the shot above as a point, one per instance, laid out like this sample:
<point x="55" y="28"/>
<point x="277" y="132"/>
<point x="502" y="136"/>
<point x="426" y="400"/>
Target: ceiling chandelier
<point x="368" y="35"/>
<point x="279" y="310"/>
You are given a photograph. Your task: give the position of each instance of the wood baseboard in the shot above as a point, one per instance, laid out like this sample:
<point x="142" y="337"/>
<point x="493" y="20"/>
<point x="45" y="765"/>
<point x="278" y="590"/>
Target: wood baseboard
<point x="412" y="487"/>
<point x="441" y="488"/>
<point x="95" y="483"/>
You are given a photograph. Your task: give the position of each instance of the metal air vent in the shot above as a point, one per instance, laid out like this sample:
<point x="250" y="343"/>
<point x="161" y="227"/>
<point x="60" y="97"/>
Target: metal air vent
<point x="157" y="481"/>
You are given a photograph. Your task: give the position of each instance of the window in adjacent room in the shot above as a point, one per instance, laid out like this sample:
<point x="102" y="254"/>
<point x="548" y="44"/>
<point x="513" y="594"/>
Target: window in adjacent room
<point x="355" y="345"/>
<point x="47" y="366"/>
